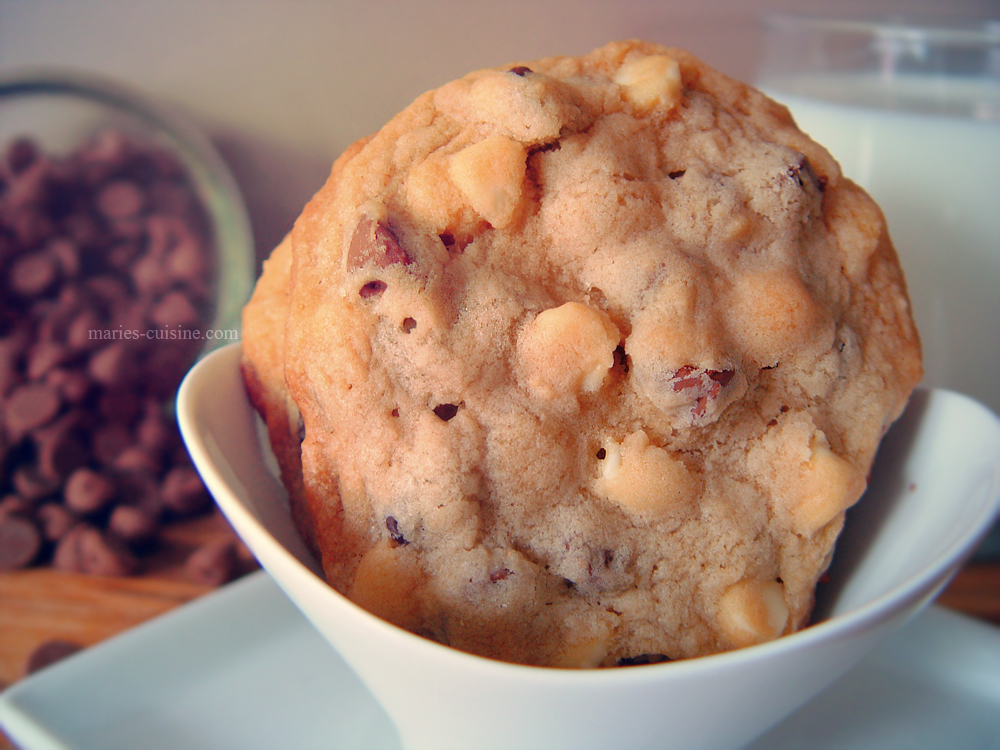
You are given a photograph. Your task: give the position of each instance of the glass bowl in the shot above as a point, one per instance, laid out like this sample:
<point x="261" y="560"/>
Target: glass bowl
<point x="926" y="66"/>
<point x="125" y="254"/>
<point x="61" y="109"/>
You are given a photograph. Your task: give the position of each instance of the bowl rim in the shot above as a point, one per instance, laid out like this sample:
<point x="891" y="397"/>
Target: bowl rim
<point x="210" y="176"/>
<point x="975" y="32"/>
<point x="916" y="591"/>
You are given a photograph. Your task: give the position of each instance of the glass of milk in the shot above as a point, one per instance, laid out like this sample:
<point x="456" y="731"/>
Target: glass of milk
<point x="912" y="113"/>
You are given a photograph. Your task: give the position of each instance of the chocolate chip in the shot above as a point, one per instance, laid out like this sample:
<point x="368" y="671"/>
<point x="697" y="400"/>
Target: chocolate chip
<point x="30" y="406"/>
<point x="446" y="412"/>
<point x="138" y="458"/>
<point x="544" y="148"/>
<point x="183" y="492"/>
<point x="21" y="154"/>
<point x="120" y="199"/>
<point x="54" y="520"/>
<point x="186" y="261"/>
<point x="12" y="350"/>
<point x="100" y="556"/>
<point x="20" y="542"/>
<point x="109" y="440"/>
<point x="676" y="174"/>
<point x="72" y="384"/>
<point x="31" y="484"/>
<point x="67" y="552"/>
<point x="82" y="229"/>
<point x="107" y="288"/>
<point x="175" y="310"/>
<point x="44" y="356"/>
<point x="520" y="70"/>
<point x="408" y="325"/>
<point x="140" y="490"/>
<point x="803" y="173"/>
<point x="88" y="492"/>
<point x="32" y="275"/>
<point x="48" y="653"/>
<point x="372" y="289"/>
<point x="134" y="525"/>
<point x="722" y="377"/>
<point x="66" y="255"/>
<point x="700" y="385"/>
<point x="153" y="430"/>
<point x="632" y="661"/>
<point x="60" y="449"/>
<point x="396" y="537"/>
<point x="621" y="359"/>
<point x="500" y="575"/>
<point x="118" y="405"/>
<point x="111" y="365"/>
<point x="214" y="563"/>
<point x="84" y="331"/>
<point x="15" y="505"/>
<point x="373" y="243"/>
<point x="149" y="276"/>
<point x="84" y="549"/>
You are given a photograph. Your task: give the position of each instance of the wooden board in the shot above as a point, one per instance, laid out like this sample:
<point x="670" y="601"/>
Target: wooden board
<point x="975" y="591"/>
<point x="41" y="604"/>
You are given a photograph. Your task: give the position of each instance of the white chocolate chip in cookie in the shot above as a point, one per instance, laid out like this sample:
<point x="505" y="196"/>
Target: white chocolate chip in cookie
<point x="434" y="199"/>
<point x="490" y="175"/>
<point x="649" y="82"/>
<point x="384" y="581"/>
<point x="771" y="313"/>
<point x="752" y="611"/>
<point x="527" y="106"/>
<point x="644" y="478"/>
<point x="812" y="484"/>
<point x="567" y="349"/>
<point x="828" y="485"/>
<point x="585" y="644"/>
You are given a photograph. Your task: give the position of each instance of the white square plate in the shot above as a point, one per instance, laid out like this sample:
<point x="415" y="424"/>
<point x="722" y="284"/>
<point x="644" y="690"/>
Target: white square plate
<point x="243" y="669"/>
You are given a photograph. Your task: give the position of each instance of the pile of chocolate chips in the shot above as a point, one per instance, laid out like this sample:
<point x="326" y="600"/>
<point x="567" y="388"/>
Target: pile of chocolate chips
<point x="106" y="279"/>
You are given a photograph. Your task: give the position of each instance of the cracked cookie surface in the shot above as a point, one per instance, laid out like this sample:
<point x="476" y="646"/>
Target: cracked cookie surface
<point x="580" y="362"/>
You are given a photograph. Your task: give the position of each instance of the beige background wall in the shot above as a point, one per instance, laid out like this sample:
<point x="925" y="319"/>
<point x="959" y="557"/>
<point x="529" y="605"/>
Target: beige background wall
<point x="284" y="85"/>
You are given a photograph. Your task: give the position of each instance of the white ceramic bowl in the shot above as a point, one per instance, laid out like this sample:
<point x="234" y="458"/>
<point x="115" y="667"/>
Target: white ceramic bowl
<point x="934" y="492"/>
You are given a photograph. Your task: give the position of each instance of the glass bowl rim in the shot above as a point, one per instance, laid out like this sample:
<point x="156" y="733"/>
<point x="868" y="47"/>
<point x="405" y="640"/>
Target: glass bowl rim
<point x="970" y="32"/>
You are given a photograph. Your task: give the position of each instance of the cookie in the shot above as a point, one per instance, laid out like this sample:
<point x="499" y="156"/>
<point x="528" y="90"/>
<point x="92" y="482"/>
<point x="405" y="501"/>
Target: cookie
<point x="580" y="362"/>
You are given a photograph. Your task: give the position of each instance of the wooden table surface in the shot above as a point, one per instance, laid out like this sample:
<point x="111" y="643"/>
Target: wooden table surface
<point x="41" y="604"/>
